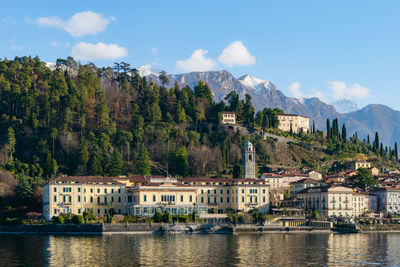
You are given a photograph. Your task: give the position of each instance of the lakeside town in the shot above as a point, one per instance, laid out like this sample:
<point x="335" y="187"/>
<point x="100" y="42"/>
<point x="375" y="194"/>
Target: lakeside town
<point x="285" y="197"/>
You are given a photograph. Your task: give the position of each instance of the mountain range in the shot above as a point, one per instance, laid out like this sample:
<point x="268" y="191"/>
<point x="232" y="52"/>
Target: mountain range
<point x="365" y="121"/>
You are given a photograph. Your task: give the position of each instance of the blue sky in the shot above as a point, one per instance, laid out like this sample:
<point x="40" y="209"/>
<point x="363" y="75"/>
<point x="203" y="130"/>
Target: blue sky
<point x="330" y="49"/>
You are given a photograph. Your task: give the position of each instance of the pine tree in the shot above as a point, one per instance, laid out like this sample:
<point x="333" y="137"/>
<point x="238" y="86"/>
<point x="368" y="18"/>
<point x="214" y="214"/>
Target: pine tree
<point x="116" y="164"/>
<point x="143" y="165"/>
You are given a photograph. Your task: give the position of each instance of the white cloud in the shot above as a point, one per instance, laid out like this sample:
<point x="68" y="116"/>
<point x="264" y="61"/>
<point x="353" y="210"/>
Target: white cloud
<point x="294" y="89"/>
<point x="8" y="20"/>
<point x="88" y="51"/>
<point x="154" y="50"/>
<point x="78" y="25"/>
<point x="15" y="47"/>
<point x="27" y="19"/>
<point x="55" y="44"/>
<point x="342" y="90"/>
<point x="236" y="54"/>
<point x="197" y="62"/>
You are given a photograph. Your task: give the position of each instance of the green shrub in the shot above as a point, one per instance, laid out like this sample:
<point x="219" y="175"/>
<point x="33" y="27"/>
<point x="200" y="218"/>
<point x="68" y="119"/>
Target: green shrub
<point x="58" y="219"/>
<point x="88" y="216"/>
<point x="78" y="219"/>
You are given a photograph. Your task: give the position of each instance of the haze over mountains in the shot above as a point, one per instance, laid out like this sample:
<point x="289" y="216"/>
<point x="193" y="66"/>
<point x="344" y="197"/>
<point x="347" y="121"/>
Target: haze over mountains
<point x="365" y="121"/>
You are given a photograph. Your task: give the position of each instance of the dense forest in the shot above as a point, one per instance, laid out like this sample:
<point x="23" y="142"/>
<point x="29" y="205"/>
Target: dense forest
<point x="83" y="120"/>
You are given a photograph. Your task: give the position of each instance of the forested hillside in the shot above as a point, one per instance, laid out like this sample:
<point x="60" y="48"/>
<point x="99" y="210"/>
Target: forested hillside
<point x="84" y="120"/>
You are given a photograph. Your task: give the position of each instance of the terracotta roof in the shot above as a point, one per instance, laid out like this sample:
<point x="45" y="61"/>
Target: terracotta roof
<point x="270" y="175"/>
<point x="294" y="115"/>
<point x="86" y="179"/>
<point x="306" y="180"/>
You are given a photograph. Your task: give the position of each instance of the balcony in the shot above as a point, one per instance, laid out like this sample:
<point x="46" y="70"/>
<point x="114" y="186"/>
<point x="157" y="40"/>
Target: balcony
<point x="66" y="204"/>
<point x="253" y="204"/>
<point x="346" y="201"/>
<point x="333" y="201"/>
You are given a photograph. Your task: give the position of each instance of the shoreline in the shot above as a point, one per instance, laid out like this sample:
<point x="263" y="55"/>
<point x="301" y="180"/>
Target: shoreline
<point x="172" y="229"/>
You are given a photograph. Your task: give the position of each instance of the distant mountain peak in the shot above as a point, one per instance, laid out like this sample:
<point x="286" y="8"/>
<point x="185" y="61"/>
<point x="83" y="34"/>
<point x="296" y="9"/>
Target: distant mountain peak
<point x="255" y="83"/>
<point x="147" y="70"/>
<point x="345" y="105"/>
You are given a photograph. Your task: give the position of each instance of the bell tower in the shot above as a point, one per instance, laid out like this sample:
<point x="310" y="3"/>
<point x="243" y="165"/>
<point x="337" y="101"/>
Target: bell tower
<point x="249" y="161"/>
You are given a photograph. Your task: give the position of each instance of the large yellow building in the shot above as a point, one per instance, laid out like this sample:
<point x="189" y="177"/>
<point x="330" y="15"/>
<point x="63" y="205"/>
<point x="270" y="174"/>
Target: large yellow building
<point x="143" y="195"/>
<point x="75" y="194"/>
<point x="294" y="122"/>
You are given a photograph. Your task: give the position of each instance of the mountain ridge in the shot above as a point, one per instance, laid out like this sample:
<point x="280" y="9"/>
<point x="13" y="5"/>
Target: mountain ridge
<point x="265" y="95"/>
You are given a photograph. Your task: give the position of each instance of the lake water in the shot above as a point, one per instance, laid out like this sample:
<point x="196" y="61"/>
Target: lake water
<point x="379" y="249"/>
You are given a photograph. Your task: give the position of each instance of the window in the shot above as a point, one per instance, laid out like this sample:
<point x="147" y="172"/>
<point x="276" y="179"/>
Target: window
<point x="70" y="199"/>
<point x="98" y="211"/>
<point x="105" y="190"/>
<point x="112" y="199"/>
<point x="79" y="189"/>
<point x="242" y="191"/>
<point x="202" y="191"/>
<point x="202" y="200"/>
<point x="215" y="191"/>
<point x="215" y="200"/>
<point x="91" y="190"/>
<point x="55" y="198"/>
<point x="98" y="199"/>
<point x="227" y="191"/>
<point x="243" y="199"/>
<point x="119" y="211"/>
<point x="144" y="198"/>
<point x="222" y="200"/>
<point x="181" y="198"/>
<point x="55" y="211"/>
<point x="263" y="191"/>
<point x="222" y="191"/>
<point x="119" y="190"/>
<point x="227" y="200"/>
<point x="98" y="190"/>
<point x="54" y="189"/>
<point x="112" y="190"/>
<point x="119" y="199"/>
<point x="263" y="199"/>
<point x="79" y="198"/>
<point x="190" y="198"/>
<point x="91" y="199"/>
<point x="79" y="211"/>
<point x="129" y="199"/>
<point x="154" y="198"/>
<point x="208" y="200"/>
<point x="105" y="211"/>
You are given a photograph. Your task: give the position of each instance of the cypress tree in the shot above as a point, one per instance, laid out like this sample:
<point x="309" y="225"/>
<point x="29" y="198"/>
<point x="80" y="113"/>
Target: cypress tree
<point x="313" y="127"/>
<point x="328" y="129"/>
<point x="344" y="133"/>
<point x="396" y="155"/>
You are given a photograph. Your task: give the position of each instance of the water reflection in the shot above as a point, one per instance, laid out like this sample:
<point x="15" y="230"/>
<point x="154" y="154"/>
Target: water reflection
<point x="201" y="250"/>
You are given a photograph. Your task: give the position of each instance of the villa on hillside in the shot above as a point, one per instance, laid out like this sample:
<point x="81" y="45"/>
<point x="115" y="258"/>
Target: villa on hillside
<point x="294" y="122"/>
<point x="228" y="117"/>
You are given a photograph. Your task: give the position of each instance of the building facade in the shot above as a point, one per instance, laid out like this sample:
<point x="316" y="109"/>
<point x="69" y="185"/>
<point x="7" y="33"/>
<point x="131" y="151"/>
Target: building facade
<point x="294" y="122"/>
<point x="388" y="199"/>
<point x="144" y="195"/>
<point x="228" y="117"/>
<point x="329" y="200"/>
<point x="76" y="194"/>
<point x="302" y="184"/>
<point x="355" y="165"/>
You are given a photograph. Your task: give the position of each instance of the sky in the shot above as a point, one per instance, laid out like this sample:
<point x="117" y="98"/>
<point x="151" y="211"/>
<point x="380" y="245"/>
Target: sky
<point x="329" y="49"/>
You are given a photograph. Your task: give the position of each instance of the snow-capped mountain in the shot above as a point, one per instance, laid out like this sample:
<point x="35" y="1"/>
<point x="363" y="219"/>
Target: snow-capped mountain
<point x="345" y="106"/>
<point x="148" y="70"/>
<point x="256" y="84"/>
